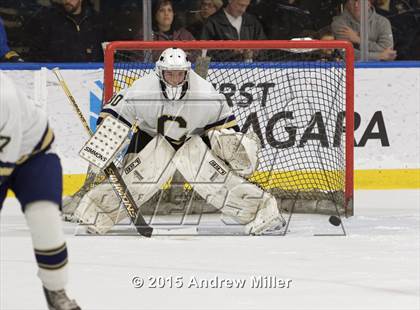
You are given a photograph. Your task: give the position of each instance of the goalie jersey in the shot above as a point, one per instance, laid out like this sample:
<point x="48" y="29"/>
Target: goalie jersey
<point x="24" y="129"/>
<point x="201" y="108"/>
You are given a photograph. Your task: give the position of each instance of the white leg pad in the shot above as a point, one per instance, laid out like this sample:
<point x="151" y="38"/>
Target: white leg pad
<point x="236" y="197"/>
<point x="100" y="209"/>
<point x="209" y="175"/>
<point x="144" y="175"/>
<point x="150" y="169"/>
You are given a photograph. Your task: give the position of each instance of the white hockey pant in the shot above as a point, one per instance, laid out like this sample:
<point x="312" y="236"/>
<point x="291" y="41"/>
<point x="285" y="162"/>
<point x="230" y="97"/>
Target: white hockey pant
<point x="237" y="198"/>
<point x="144" y="174"/>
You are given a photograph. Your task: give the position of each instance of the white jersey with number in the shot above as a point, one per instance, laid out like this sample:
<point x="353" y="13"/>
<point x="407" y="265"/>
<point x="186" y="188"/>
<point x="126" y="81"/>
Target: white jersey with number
<point x="23" y="127"/>
<point x="202" y="108"/>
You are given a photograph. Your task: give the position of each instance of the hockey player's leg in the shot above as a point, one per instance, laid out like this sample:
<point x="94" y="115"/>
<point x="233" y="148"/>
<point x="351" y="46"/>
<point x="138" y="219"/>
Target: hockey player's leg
<point x="236" y="197"/>
<point x="48" y="241"/>
<point x="44" y="222"/>
<point x="144" y="174"/>
<point x="40" y="202"/>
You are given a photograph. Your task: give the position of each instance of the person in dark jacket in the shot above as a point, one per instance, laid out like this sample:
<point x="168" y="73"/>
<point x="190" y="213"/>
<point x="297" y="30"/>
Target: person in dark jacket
<point x="67" y="32"/>
<point x="233" y="23"/>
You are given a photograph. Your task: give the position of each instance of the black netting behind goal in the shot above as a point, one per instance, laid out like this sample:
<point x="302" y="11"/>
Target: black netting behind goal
<point x="293" y="96"/>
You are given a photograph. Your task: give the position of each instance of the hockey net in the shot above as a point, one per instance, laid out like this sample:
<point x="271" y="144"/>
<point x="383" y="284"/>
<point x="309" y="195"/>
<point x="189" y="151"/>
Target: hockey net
<point x="297" y="96"/>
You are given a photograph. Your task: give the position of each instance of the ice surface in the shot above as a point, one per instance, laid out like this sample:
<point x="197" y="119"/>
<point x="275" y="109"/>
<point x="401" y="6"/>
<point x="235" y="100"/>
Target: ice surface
<point x="375" y="266"/>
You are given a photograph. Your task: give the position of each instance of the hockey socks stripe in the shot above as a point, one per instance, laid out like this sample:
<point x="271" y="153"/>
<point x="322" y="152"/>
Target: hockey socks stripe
<point x="52" y="259"/>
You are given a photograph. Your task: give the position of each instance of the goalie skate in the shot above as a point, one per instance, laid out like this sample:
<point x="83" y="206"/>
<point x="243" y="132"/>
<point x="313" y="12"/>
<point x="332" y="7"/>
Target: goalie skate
<point x="267" y="221"/>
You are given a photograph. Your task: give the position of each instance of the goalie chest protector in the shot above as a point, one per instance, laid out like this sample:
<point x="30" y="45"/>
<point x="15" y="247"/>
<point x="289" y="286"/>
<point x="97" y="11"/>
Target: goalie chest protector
<point x="198" y="110"/>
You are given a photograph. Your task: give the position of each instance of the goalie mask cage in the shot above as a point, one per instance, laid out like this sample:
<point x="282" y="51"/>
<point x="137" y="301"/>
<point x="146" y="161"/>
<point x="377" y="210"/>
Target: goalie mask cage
<point x="297" y="96"/>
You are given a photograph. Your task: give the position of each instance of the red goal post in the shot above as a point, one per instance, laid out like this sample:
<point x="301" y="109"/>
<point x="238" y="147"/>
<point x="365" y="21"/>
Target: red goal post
<point x="297" y="60"/>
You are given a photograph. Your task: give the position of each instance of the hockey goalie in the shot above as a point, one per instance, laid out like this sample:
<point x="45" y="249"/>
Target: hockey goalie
<point x="184" y="124"/>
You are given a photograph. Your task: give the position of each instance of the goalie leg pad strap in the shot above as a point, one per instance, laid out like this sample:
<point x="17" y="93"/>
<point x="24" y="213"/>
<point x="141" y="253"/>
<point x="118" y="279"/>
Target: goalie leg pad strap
<point x="144" y="174"/>
<point x="211" y="178"/>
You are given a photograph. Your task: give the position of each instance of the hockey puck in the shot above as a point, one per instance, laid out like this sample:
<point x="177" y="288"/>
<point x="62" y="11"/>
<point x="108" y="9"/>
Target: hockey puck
<point x="334" y="220"/>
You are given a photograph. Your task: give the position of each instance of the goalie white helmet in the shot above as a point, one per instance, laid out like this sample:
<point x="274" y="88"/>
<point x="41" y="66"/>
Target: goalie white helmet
<point x="173" y="70"/>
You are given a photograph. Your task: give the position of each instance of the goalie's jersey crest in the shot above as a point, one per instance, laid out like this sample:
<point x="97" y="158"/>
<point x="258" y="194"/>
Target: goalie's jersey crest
<point x="24" y="129"/>
<point x="201" y="109"/>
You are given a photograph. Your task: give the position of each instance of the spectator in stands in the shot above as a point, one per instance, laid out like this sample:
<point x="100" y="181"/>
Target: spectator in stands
<point x="207" y="8"/>
<point x="347" y="27"/>
<point x="6" y="55"/>
<point x="69" y="31"/>
<point x="233" y="23"/>
<point x="163" y="25"/>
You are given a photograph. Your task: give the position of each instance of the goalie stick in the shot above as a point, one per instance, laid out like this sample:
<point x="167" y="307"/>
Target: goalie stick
<point x="111" y="171"/>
